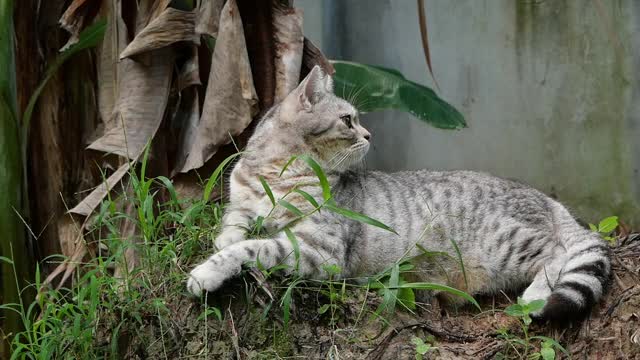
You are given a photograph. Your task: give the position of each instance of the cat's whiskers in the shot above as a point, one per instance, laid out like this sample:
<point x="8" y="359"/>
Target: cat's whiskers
<point x="355" y="99"/>
<point x="335" y="156"/>
<point x="344" y="154"/>
<point x="350" y="157"/>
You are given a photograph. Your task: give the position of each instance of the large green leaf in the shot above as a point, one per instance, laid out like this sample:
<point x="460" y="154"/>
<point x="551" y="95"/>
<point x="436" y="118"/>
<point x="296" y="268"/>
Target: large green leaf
<point x="372" y="88"/>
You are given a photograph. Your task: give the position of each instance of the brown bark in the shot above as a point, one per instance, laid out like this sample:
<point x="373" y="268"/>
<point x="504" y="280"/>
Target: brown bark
<point x="258" y="32"/>
<point x="64" y="117"/>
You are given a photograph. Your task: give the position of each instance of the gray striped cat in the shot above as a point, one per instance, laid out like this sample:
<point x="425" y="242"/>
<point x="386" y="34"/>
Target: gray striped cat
<point x="509" y="235"/>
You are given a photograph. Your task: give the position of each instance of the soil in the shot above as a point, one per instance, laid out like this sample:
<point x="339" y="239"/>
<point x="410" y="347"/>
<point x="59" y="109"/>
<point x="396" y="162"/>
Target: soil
<point x="252" y="325"/>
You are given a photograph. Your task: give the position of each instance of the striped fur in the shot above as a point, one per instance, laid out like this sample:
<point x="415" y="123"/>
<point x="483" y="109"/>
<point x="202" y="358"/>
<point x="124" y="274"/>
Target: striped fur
<point x="509" y="234"/>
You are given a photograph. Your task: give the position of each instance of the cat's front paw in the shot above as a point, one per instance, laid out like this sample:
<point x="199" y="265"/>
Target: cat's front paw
<point x="229" y="237"/>
<point x="205" y="277"/>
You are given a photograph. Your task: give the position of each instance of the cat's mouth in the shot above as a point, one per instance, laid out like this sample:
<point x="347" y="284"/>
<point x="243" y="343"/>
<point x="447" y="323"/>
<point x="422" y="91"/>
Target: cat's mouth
<point x="362" y="148"/>
<point x="347" y="158"/>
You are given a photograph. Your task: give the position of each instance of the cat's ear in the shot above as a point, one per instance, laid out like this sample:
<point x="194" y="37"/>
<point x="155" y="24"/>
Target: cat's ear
<point x="311" y="89"/>
<point x="328" y="83"/>
<point x="308" y="93"/>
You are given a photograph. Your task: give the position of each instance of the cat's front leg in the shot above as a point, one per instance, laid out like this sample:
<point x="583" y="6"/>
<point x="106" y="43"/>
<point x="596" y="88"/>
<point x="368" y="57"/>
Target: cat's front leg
<point x="235" y="226"/>
<point x="230" y="235"/>
<point x="227" y="263"/>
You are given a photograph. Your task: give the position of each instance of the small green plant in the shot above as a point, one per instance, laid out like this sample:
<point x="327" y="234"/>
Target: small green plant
<point x="527" y="347"/>
<point x="606" y="228"/>
<point x="393" y="286"/>
<point x="103" y="308"/>
<point x="316" y="205"/>
<point x="422" y="347"/>
<point x="88" y="319"/>
<point x="336" y="298"/>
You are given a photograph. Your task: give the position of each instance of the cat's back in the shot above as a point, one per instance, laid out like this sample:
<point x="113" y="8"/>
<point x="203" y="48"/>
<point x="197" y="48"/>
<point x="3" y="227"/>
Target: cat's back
<point x="426" y="193"/>
<point x="458" y="182"/>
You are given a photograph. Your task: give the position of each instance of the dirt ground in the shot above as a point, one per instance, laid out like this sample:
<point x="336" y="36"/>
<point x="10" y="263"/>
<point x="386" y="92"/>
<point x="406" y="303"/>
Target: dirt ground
<point x="252" y="325"/>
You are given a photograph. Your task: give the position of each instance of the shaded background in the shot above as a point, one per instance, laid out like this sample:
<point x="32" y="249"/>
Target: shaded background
<point x="549" y="90"/>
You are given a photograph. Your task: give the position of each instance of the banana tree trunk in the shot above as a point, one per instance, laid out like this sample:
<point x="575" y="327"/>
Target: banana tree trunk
<point x="13" y="245"/>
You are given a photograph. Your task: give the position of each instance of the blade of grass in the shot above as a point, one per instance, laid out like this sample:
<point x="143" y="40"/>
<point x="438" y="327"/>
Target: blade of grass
<point x="284" y="168"/>
<point x="552" y="341"/>
<point x="459" y="256"/>
<point x="308" y="197"/>
<point x="267" y="189"/>
<point x="296" y="246"/>
<point x="439" y="287"/>
<point x="169" y="186"/>
<point x="286" y="302"/>
<point x="358" y="217"/>
<point x="317" y="169"/>
<point x="213" y="179"/>
<point x="289" y="206"/>
<point x="391" y="293"/>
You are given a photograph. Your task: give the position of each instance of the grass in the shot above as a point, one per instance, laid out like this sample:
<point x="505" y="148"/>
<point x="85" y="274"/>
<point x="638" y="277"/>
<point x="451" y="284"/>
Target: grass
<point x="107" y="295"/>
<point x="114" y="309"/>
<point x="527" y="346"/>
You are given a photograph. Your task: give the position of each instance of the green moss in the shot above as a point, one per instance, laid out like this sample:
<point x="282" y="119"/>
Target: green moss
<point x="282" y="344"/>
<point x="588" y="152"/>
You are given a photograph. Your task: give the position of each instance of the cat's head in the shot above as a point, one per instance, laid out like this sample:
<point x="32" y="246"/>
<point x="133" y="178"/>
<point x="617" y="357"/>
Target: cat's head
<point x="312" y="120"/>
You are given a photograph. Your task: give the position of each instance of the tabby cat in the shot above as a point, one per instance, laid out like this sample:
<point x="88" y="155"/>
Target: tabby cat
<point x="509" y="235"/>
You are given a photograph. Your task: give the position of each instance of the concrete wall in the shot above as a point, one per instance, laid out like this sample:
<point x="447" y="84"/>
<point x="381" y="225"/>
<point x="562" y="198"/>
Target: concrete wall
<point x="549" y="89"/>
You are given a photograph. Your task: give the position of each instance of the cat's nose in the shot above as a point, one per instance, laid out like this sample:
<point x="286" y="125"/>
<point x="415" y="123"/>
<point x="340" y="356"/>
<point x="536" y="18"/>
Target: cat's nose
<point x="365" y="134"/>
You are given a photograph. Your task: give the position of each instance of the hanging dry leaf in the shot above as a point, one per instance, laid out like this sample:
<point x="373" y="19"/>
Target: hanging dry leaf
<point x="424" y="35"/>
<point x="288" y="37"/>
<point x="189" y="74"/>
<point x="170" y="27"/>
<point x="77" y="16"/>
<point x="188" y="116"/>
<point x="142" y="99"/>
<point x="208" y="18"/>
<point x="143" y="91"/>
<point x="114" y="41"/>
<point x="91" y="202"/>
<point x="68" y="266"/>
<point x="113" y="44"/>
<point x="313" y="56"/>
<point x="149" y="10"/>
<point x="231" y="99"/>
<point x="70" y="232"/>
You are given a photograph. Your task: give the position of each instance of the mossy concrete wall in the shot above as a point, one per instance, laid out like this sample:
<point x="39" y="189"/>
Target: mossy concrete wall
<point x="550" y="90"/>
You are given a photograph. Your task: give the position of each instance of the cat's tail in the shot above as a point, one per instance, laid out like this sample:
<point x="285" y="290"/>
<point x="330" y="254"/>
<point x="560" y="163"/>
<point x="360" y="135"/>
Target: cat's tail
<point x="585" y="270"/>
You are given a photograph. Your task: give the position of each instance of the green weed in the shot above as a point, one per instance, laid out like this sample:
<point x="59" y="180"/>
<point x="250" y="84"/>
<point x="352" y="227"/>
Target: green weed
<point x="422" y="347"/>
<point x="606" y="227"/>
<point x="110" y="292"/>
<point x="390" y="284"/>
<point x="115" y="308"/>
<point x="527" y="347"/>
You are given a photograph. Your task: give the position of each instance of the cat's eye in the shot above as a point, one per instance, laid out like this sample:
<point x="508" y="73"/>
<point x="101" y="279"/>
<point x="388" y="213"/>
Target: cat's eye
<point x="346" y="119"/>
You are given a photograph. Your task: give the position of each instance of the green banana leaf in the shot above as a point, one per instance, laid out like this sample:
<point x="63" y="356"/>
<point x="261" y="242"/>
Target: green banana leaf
<point x="371" y="88"/>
